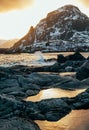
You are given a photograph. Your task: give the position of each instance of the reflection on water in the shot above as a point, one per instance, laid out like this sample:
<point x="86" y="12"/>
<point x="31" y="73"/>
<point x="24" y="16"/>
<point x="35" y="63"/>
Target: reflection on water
<point x="76" y="120"/>
<point x="25" y="59"/>
<point x="67" y="74"/>
<point x="54" y="93"/>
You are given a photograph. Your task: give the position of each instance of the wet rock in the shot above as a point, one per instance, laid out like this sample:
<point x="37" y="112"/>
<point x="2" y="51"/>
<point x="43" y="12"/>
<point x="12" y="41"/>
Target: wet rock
<point x="88" y="58"/>
<point x="23" y="86"/>
<point x="74" y="64"/>
<point x="51" y="59"/>
<point x="83" y="71"/>
<point x="54" y="109"/>
<point x="81" y="101"/>
<point x="55" y="68"/>
<point x="48" y="109"/>
<point x="68" y="83"/>
<point x="69" y="69"/>
<point x="9" y="106"/>
<point x="32" y="92"/>
<point x="20" y="69"/>
<point x="4" y="72"/>
<point x="85" y="82"/>
<point x="30" y="110"/>
<point x="3" y="75"/>
<point x="16" y="123"/>
<point x="17" y="93"/>
<point x="75" y="57"/>
<point x="52" y="68"/>
<point x="61" y="58"/>
<point x="54" y="81"/>
<point x="27" y="82"/>
<point x="51" y="109"/>
<point x="8" y="83"/>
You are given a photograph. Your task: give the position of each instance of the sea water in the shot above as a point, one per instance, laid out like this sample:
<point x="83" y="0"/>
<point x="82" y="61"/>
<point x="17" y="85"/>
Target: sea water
<point x="76" y="120"/>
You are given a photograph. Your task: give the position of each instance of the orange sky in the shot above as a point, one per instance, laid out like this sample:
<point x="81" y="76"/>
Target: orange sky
<point x="8" y="5"/>
<point x="16" y="16"/>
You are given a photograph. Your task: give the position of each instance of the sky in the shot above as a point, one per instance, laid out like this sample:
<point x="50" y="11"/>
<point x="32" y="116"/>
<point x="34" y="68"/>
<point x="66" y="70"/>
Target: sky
<point x="16" y="16"/>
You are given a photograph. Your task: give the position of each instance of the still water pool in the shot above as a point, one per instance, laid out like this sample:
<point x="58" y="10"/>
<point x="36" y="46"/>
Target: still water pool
<point x="76" y="120"/>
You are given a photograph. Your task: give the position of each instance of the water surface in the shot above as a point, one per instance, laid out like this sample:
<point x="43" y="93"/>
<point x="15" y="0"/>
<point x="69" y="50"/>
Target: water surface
<point x="35" y="59"/>
<point x="76" y="120"/>
<point x="53" y="93"/>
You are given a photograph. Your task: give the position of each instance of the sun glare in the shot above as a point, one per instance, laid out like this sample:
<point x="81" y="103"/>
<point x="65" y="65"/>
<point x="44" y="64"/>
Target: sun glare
<point x="15" y="24"/>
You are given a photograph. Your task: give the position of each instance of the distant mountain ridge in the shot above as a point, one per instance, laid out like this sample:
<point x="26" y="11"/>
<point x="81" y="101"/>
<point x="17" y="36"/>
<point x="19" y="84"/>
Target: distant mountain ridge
<point x="2" y="41"/>
<point x="8" y="43"/>
<point x="64" y="29"/>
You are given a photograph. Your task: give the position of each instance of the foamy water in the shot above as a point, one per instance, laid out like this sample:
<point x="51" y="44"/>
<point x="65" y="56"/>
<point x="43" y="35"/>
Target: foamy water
<point x="36" y="59"/>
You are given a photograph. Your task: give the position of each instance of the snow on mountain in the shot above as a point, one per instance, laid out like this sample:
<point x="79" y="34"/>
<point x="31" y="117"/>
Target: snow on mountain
<point x="64" y="29"/>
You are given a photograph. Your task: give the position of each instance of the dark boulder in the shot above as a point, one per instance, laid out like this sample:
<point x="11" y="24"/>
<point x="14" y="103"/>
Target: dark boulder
<point x="69" y="69"/>
<point x="85" y="82"/>
<point x="61" y="58"/>
<point x="73" y="64"/>
<point x="9" y="106"/>
<point x="81" y="101"/>
<point x="16" y="123"/>
<point x="68" y="83"/>
<point x="83" y="71"/>
<point x="54" y="109"/>
<point x="51" y="59"/>
<point x="88" y="58"/>
<point x="75" y="57"/>
<point x="50" y="109"/>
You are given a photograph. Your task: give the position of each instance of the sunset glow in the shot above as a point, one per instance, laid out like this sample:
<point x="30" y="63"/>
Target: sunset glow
<point x="16" y="23"/>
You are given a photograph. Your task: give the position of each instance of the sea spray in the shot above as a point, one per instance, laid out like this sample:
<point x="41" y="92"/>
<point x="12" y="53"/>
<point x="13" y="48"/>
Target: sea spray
<point x="39" y="56"/>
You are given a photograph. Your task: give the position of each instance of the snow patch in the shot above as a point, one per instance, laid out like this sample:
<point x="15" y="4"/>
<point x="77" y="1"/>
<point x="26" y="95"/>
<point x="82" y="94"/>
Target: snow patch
<point x="75" y="17"/>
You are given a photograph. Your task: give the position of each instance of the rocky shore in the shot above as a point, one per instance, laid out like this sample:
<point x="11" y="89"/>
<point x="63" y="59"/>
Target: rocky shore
<point x="19" y="82"/>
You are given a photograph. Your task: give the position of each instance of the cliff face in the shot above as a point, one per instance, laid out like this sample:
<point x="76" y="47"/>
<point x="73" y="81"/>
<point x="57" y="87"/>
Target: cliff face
<point x="64" y="29"/>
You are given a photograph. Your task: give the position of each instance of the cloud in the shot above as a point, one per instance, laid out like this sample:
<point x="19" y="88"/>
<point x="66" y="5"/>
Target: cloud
<point x="8" y="5"/>
<point x="84" y="2"/>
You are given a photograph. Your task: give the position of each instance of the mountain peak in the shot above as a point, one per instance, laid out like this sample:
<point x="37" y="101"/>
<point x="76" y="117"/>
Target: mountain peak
<point x="62" y="29"/>
<point x="68" y="8"/>
<point x="65" y="9"/>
